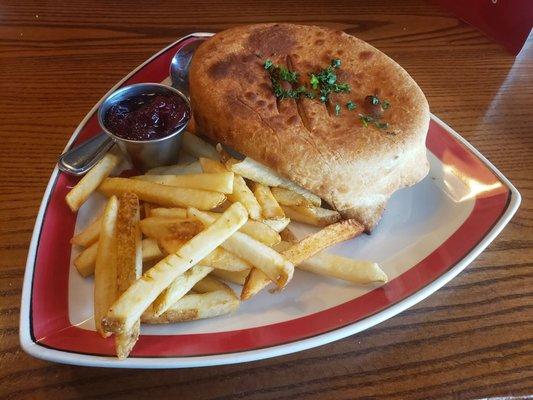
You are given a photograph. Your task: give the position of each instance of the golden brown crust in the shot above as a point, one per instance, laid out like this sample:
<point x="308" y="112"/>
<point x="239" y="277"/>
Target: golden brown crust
<point x="355" y="169"/>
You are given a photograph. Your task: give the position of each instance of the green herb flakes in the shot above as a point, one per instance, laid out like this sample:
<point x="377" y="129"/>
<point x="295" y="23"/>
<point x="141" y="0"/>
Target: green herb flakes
<point x="351" y="105"/>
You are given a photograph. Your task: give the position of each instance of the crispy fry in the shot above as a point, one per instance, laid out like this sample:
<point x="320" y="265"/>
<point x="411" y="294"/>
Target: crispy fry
<point x="89" y="235"/>
<point x="179" y="288"/>
<point x="288" y="197"/>
<point x="177" y="169"/>
<point x="312" y="215"/>
<point x="303" y="250"/>
<point x="168" y="196"/>
<point x="257" y="172"/>
<point x="270" y="208"/>
<point x="196" y="306"/>
<point x="218" y="182"/>
<point x="129" y="263"/>
<point x="276" y="224"/>
<point x="138" y="297"/>
<point x="322" y="239"/>
<point x="197" y="147"/>
<point x="355" y="271"/>
<point x="171" y="228"/>
<point x="88" y="184"/>
<point x="255" y="281"/>
<point x="276" y="267"/>
<point x="169" y="212"/>
<point x="218" y="258"/>
<point x="84" y="263"/>
<point x="237" y="277"/>
<point x="105" y="272"/>
<point x="241" y="192"/>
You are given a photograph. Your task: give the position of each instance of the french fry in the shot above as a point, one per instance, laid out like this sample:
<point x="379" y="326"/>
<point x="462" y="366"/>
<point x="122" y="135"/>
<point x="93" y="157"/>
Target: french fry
<point x="84" y="262"/>
<point x="355" y="271"/>
<point x="197" y="147"/>
<point x="138" y="297"/>
<point x="260" y="173"/>
<point x="312" y="215"/>
<point x="129" y="263"/>
<point x="303" y="250"/>
<point x="238" y="277"/>
<point x="177" y="169"/>
<point x="210" y="284"/>
<point x="258" y="230"/>
<point x="288" y="236"/>
<point x="241" y="192"/>
<point x="150" y="250"/>
<point x="89" y="235"/>
<point x="105" y="271"/>
<point x="168" y="196"/>
<point x="255" y="282"/>
<point x="276" y="267"/>
<point x="270" y="208"/>
<point x="179" y="288"/>
<point x="347" y="269"/>
<point x="196" y="306"/>
<point x="261" y="232"/>
<point x="169" y="212"/>
<point x="218" y="258"/>
<point x="211" y="166"/>
<point x="159" y="228"/>
<point x="288" y="197"/>
<point x="322" y="239"/>
<point x="92" y="179"/>
<point x="276" y="224"/>
<point x="147" y="207"/>
<point x="218" y="182"/>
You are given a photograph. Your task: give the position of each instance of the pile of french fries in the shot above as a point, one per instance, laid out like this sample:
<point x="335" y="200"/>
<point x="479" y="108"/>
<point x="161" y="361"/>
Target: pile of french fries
<point x="193" y="229"/>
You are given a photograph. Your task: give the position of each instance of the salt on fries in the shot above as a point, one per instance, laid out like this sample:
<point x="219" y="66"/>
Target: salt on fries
<point x="203" y="225"/>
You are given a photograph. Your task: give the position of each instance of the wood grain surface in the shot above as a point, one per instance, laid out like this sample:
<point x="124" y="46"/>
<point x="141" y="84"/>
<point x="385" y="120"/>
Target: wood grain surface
<point x="471" y="339"/>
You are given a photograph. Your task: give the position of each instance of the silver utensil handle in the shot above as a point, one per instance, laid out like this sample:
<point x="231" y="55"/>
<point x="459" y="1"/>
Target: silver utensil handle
<point x="82" y="158"/>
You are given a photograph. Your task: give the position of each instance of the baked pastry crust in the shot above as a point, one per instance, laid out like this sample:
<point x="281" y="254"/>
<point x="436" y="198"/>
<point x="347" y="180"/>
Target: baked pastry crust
<point x="355" y="169"/>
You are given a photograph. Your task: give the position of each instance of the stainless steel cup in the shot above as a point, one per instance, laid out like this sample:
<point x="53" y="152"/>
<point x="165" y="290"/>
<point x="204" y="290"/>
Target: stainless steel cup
<point x="145" y="154"/>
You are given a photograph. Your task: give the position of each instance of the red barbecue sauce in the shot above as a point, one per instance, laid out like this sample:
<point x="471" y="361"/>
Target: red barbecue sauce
<point x="147" y="116"/>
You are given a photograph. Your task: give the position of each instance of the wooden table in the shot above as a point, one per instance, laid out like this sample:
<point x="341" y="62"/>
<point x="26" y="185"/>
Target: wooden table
<point x="471" y="339"/>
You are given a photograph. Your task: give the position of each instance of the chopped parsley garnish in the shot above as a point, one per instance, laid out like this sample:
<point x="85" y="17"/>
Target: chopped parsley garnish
<point x="321" y="83"/>
<point x="351" y="105"/>
<point x="374" y="100"/>
<point x="314" y="81"/>
<point x="279" y="74"/>
<point x="268" y="64"/>
<point x="385" y="104"/>
<point x="366" y="119"/>
<point x="325" y="81"/>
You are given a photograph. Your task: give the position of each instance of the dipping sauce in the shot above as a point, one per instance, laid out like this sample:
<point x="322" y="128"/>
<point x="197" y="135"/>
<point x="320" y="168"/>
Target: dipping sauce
<point x="147" y="116"/>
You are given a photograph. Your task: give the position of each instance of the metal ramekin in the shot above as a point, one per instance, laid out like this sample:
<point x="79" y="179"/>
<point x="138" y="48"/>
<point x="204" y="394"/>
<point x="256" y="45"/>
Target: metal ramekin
<point x="145" y="154"/>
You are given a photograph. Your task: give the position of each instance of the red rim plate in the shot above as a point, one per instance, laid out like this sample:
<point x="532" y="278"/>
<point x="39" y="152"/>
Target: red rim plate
<point x="49" y="321"/>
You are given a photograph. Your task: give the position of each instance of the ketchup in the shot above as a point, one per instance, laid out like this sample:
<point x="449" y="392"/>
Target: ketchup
<point x="147" y="116"/>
